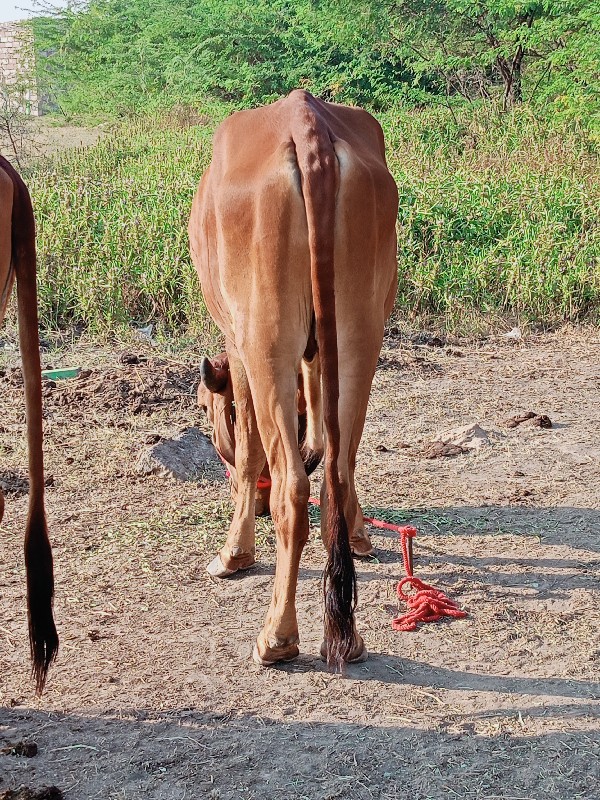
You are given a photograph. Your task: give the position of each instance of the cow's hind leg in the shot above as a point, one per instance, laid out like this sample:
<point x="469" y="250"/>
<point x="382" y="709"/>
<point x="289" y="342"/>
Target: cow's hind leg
<point x="239" y="549"/>
<point x="360" y="541"/>
<point x="278" y="417"/>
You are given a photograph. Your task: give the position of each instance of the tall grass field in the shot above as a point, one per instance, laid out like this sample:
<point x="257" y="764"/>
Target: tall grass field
<point x="499" y="218"/>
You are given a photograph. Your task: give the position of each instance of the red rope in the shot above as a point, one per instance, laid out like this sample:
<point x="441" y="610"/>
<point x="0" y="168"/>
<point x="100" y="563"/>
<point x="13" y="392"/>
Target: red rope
<point x="261" y="483"/>
<point x="426" y="604"/>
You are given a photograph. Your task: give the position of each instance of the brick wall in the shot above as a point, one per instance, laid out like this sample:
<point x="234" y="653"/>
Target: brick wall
<point x="17" y="62"/>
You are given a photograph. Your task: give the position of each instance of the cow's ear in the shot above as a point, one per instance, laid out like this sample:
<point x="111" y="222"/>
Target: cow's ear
<point x="214" y="376"/>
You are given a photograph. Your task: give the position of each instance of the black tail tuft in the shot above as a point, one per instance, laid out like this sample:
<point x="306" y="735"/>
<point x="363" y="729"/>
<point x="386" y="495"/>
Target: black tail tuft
<point x="340" y="589"/>
<point x="43" y="638"/>
<point x="311" y="459"/>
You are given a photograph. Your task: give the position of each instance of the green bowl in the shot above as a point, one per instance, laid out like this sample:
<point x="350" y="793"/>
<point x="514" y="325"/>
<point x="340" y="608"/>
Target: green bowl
<point x="60" y="374"/>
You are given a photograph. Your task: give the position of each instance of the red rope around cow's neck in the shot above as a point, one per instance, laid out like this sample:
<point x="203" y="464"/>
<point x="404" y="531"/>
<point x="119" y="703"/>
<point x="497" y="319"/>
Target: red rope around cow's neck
<point x="261" y="483"/>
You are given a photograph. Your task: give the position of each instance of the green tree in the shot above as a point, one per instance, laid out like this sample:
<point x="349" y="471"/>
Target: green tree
<point x="119" y="56"/>
<point x="472" y="46"/>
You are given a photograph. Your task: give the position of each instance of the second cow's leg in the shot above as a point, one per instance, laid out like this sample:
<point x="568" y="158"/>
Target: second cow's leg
<point x="239" y="549"/>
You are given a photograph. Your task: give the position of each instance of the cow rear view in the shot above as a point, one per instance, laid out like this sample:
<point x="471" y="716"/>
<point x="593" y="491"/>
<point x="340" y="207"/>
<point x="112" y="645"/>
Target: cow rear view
<point x="293" y="232"/>
<point x="18" y="259"/>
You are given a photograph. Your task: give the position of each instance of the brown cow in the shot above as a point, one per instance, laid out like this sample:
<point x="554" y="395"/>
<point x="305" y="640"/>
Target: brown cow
<point x="18" y="259"/>
<point x="292" y="231"/>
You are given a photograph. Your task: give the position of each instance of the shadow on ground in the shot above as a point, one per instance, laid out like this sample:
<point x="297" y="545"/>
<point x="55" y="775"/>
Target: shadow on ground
<point x="185" y="753"/>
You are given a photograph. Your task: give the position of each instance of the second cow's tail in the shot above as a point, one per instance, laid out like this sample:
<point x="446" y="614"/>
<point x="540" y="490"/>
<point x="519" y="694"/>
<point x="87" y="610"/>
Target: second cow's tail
<point x="319" y="171"/>
<point x="38" y="554"/>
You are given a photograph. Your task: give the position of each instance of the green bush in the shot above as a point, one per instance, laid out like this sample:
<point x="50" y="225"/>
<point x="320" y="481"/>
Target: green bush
<point x="499" y="215"/>
<point x="112" y="229"/>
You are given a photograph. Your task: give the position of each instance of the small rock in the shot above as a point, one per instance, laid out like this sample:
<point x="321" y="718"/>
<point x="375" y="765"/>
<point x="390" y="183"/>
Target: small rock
<point x="129" y="358"/>
<point x="520" y="494"/>
<point x="381" y="448"/>
<point x="428" y="339"/>
<point x="187" y="456"/>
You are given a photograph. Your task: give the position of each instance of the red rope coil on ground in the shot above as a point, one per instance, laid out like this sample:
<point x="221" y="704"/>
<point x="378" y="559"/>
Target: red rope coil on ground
<point x="426" y="604"/>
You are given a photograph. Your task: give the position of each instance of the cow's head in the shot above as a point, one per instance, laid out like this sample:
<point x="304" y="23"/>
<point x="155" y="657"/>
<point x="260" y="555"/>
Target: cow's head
<point x="215" y="397"/>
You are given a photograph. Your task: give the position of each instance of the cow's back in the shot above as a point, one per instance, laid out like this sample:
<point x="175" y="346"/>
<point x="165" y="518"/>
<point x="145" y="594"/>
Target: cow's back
<point x="252" y="194"/>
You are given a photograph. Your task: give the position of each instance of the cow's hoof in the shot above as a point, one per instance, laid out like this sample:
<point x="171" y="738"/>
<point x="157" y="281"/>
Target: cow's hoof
<point x="265" y="655"/>
<point x="217" y="568"/>
<point x="360" y="544"/>
<point x="357" y="656"/>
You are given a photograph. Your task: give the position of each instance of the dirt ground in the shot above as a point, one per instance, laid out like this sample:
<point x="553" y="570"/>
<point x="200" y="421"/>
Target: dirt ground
<point x="31" y="138"/>
<point x="154" y="694"/>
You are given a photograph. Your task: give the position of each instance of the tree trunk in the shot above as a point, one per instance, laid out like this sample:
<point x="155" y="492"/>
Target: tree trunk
<point x="511" y="76"/>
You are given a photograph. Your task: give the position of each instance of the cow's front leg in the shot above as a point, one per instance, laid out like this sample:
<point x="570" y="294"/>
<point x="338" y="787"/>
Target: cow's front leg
<point x="238" y="551"/>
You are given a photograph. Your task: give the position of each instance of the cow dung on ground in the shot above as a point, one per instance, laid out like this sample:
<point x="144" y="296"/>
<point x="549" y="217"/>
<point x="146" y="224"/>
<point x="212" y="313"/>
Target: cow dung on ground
<point x="537" y="420"/>
<point x="25" y="793"/>
<point x="26" y="749"/>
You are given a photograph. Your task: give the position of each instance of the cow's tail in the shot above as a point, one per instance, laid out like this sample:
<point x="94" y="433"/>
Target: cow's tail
<point x="43" y="638"/>
<point x="319" y="170"/>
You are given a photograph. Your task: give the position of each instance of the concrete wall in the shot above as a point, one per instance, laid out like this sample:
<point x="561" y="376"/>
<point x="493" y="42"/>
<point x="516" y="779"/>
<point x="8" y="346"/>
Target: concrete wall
<point x="17" y="68"/>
